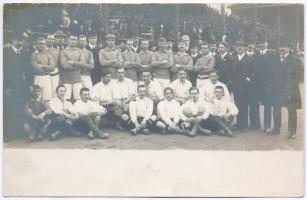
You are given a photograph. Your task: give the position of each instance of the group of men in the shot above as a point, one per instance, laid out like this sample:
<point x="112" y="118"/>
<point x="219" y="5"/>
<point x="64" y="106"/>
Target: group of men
<point x="79" y="89"/>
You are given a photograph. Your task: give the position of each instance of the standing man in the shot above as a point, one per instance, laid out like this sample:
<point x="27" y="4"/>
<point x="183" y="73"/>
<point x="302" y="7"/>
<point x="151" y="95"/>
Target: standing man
<point x="285" y="91"/>
<point x="182" y="60"/>
<point x="161" y="63"/>
<point x="264" y="72"/>
<point x="240" y="78"/>
<point x="55" y="53"/>
<point x="60" y="40"/>
<point x="145" y="56"/>
<point x="110" y="58"/>
<point x="72" y="60"/>
<point x="17" y="77"/>
<point x="131" y="61"/>
<point x="203" y="65"/>
<point x="195" y="56"/>
<point x="223" y="62"/>
<point x="42" y="63"/>
<point x="181" y="87"/>
<point x="96" y="72"/>
<point x="88" y="65"/>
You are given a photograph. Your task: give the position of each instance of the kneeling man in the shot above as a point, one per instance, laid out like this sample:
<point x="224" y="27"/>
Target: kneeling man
<point x="90" y="114"/>
<point x="141" y="116"/>
<point x="195" y="111"/>
<point x="169" y="114"/>
<point x="36" y="113"/>
<point x="223" y="112"/>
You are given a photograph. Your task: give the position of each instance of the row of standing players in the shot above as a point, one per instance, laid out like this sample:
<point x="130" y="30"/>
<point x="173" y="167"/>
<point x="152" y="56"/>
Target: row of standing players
<point x="271" y="79"/>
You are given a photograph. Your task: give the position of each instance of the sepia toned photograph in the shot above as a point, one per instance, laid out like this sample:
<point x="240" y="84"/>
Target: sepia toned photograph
<point x="125" y="83"/>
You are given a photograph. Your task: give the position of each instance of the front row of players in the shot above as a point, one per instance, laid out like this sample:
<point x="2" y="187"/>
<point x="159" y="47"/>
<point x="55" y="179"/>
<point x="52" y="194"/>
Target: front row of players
<point x="140" y="115"/>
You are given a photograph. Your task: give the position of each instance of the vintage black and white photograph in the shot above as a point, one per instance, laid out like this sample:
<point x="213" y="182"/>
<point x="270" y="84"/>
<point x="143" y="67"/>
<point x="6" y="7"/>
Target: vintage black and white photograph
<point x="91" y="77"/>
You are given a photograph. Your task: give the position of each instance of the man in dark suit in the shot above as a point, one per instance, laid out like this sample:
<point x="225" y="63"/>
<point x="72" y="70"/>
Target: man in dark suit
<point x="253" y="91"/>
<point x="223" y="62"/>
<point x="285" y="89"/>
<point x="240" y="77"/>
<point x="96" y="72"/>
<point x="17" y="77"/>
<point x="263" y="74"/>
<point x="193" y="52"/>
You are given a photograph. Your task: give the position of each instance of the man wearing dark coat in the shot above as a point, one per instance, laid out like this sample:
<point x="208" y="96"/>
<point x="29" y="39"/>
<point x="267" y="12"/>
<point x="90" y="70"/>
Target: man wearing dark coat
<point x="17" y="77"/>
<point x="263" y="74"/>
<point x="96" y="72"/>
<point x="240" y="77"/>
<point x="285" y="89"/>
<point x="223" y="62"/>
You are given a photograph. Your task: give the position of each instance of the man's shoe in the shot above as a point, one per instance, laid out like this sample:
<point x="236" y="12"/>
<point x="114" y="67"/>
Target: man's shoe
<point x="90" y="135"/>
<point x="119" y="126"/>
<point x="267" y="130"/>
<point x="145" y="131"/>
<point x="102" y="135"/>
<point x="204" y="131"/>
<point x="55" y="135"/>
<point x="274" y="132"/>
<point x="292" y="136"/>
<point x="39" y="136"/>
<point x="133" y="131"/>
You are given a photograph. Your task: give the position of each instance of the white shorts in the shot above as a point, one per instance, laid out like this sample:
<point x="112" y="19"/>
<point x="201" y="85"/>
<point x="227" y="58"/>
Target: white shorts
<point x="163" y="82"/>
<point x="200" y="82"/>
<point x="73" y="91"/>
<point x="45" y="83"/>
<point x="54" y="84"/>
<point x="87" y="82"/>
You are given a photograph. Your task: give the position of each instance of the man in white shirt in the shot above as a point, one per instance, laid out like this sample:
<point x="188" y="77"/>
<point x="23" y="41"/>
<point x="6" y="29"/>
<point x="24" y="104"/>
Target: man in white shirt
<point x="90" y="114"/>
<point x="153" y="88"/>
<point x="181" y="87"/>
<point x="207" y="91"/>
<point x="124" y="92"/>
<point x="141" y="113"/>
<point x="222" y="113"/>
<point x="195" y="111"/>
<point x="169" y="114"/>
<point x="63" y="115"/>
<point x="104" y="94"/>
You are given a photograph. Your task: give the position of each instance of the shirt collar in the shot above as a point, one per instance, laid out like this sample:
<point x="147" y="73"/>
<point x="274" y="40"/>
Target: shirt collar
<point x="15" y="49"/>
<point x="224" y="55"/>
<point x="263" y="51"/>
<point x="91" y="46"/>
<point x="147" y="51"/>
<point x="182" y="53"/>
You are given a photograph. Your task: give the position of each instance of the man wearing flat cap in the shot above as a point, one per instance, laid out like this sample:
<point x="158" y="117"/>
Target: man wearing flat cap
<point x="110" y="57"/>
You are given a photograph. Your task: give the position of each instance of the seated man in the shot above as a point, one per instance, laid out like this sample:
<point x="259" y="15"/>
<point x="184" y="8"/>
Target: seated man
<point x="104" y="94"/>
<point x="222" y="113"/>
<point x="141" y="116"/>
<point x="36" y="113"/>
<point x="153" y="88"/>
<point x="181" y="87"/>
<point x="195" y="111"/>
<point x="124" y="92"/>
<point x="169" y="114"/>
<point x="207" y="91"/>
<point x="90" y="114"/>
<point x="63" y="115"/>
